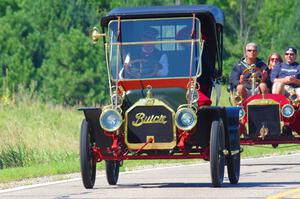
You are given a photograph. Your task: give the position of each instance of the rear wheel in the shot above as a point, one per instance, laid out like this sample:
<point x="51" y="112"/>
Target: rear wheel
<point x="217" y="159"/>
<point x="112" y="171"/>
<point x="233" y="168"/>
<point x="87" y="161"/>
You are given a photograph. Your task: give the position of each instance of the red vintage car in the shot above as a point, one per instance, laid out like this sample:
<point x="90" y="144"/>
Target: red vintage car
<point x="268" y="118"/>
<point x="161" y="64"/>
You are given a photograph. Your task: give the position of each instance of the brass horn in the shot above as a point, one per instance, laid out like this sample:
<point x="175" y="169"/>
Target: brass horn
<point x="237" y="99"/>
<point x="95" y="35"/>
<point x="293" y="96"/>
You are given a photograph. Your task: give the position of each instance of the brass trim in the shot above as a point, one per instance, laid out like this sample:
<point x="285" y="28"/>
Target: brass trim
<point x="153" y="145"/>
<point x="225" y="152"/>
<point x="262" y="102"/>
<point x="150" y="137"/>
<point x="95" y="35"/>
<point x="154" y="42"/>
<point x="155" y="78"/>
<point x="263" y="132"/>
<point x="236" y="99"/>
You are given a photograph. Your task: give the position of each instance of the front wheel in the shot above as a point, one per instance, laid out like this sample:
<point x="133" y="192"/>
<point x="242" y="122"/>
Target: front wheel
<point x="87" y="161"/>
<point x="233" y="168"/>
<point x="112" y="171"/>
<point x="217" y="159"/>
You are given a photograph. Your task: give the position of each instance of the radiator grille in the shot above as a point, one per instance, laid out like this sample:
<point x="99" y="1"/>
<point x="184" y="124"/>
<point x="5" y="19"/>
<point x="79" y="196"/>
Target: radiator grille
<point x="156" y="122"/>
<point x="267" y="116"/>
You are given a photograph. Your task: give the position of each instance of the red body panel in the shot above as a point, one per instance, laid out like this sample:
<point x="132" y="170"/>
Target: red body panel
<point x="118" y="152"/>
<point x="155" y="83"/>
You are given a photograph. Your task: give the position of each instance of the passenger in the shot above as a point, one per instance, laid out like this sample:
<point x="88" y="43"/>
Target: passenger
<point x="238" y="81"/>
<point x="182" y="65"/>
<point x="207" y="74"/>
<point x="184" y="60"/>
<point x="286" y="76"/>
<point x="151" y="61"/>
<point x="273" y="59"/>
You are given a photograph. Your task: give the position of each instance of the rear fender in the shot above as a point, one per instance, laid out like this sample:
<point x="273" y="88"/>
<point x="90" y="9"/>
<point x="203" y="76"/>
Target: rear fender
<point x="92" y="115"/>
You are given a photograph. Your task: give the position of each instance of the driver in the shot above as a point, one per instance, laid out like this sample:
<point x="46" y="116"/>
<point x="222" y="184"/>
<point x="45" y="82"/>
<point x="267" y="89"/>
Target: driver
<point x="238" y="81"/>
<point x="148" y="61"/>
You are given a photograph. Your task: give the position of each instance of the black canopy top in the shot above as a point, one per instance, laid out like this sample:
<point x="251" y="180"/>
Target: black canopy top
<point x="164" y="11"/>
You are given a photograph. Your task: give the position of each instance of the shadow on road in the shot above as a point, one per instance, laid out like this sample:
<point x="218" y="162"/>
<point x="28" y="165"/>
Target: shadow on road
<point x="271" y="164"/>
<point x="197" y="185"/>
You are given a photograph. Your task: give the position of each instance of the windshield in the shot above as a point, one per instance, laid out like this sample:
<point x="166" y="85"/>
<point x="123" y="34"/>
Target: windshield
<point x="154" y="48"/>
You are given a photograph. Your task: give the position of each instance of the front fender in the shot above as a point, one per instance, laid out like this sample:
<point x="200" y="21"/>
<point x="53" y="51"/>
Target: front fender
<point x="230" y="118"/>
<point x="232" y="115"/>
<point x="92" y="115"/>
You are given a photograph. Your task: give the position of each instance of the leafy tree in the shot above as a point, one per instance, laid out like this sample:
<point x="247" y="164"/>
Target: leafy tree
<point x="14" y="34"/>
<point x="73" y="72"/>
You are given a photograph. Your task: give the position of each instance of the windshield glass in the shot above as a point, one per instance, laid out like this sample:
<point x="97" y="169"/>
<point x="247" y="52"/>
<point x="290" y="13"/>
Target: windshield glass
<point x="154" y="48"/>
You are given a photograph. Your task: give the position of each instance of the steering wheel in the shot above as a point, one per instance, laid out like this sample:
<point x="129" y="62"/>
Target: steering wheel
<point x="252" y="73"/>
<point x="139" y="68"/>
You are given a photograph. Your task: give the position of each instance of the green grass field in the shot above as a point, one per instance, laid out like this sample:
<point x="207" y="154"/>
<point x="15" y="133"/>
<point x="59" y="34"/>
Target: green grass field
<point x="40" y="139"/>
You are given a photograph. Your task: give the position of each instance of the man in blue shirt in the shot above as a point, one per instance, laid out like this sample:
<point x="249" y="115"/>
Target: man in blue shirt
<point x="239" y="81"/>
<point x="286" y="76"/>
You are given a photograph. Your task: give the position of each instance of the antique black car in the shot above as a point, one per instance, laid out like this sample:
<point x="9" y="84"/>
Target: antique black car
<point x="162" y="62"/>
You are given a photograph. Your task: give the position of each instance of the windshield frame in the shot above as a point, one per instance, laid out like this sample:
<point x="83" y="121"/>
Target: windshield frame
<point x="197" y="41"/>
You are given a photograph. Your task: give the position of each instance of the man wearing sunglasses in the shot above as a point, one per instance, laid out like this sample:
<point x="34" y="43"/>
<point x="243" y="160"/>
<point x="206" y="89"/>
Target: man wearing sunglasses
<point x="286" y="76"/>
<point x="239" y="81"/>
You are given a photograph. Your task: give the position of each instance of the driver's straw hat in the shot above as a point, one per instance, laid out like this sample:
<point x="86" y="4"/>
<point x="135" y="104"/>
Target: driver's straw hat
<point x="290" y="48"/>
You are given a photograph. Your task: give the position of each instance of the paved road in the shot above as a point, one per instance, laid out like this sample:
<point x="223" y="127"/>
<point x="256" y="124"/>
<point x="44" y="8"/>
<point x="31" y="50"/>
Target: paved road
<point x="273" y="177"/>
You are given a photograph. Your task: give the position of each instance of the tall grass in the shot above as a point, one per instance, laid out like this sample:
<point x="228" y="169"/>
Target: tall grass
<point x="34" y="132"/>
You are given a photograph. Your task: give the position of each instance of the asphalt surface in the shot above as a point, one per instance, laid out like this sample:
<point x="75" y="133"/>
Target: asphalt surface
<point x="271" y="177"/>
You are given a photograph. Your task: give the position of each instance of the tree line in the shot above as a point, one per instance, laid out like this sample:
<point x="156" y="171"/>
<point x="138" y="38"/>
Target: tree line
<point x="45" y="44"/>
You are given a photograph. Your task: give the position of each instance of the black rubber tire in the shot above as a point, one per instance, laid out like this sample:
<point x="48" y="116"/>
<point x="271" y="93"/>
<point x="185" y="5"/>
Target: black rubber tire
<point x="112" y="171"/>
<point x="233" y="168"/>
<point x="217" y="159"/>
<point x="87" y="161"/>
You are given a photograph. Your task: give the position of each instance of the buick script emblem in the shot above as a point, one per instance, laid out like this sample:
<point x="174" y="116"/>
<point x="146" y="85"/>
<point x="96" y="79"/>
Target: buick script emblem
<point x="142" y="118"/>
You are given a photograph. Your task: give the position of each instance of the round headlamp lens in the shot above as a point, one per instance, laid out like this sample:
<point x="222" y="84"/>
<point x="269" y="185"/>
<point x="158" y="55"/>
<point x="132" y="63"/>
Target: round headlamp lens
<point x="185" y="119"/>
<point x="110" y="120"/>
<point x="241" y="113"/>
<point x="288" y="110"/>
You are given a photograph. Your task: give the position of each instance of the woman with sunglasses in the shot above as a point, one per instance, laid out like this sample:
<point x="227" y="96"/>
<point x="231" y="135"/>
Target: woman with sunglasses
<point x="286" y="76"/>
<point x="273" y="59"/>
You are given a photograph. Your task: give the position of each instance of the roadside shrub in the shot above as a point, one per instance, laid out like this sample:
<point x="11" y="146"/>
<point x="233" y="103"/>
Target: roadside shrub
<point x="14" y="156"/>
